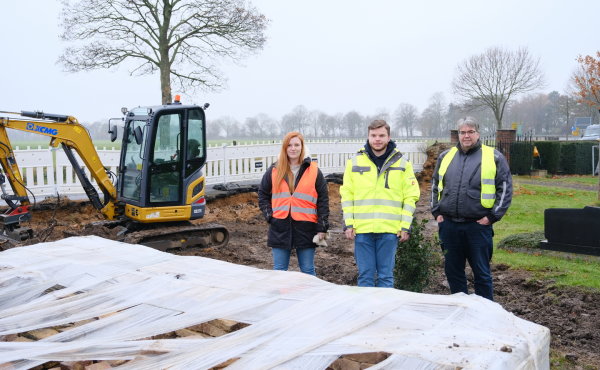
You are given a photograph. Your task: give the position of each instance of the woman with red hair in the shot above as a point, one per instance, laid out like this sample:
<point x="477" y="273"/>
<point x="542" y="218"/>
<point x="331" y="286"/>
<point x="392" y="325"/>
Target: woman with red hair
<point x="294" y="200"/>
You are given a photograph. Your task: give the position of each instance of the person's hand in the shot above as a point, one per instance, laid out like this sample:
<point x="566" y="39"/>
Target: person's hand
<point x="350" y="233"/>
<point x="403" y="235"/>
<point x="484" y="221"/>
<point x="321" y="235"/>
<point x="439" y="219"/>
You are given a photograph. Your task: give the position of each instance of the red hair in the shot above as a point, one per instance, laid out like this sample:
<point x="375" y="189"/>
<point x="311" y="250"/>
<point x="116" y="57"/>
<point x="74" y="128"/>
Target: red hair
<point x="283" y="163"/>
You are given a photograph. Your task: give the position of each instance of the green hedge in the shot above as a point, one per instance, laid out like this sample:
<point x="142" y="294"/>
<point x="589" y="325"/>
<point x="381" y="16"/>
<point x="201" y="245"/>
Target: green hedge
<point x="583" y="157"/>
<point x="521" y="157"/>
<point x="550" y="152"/>
<point x="571" y="158"/>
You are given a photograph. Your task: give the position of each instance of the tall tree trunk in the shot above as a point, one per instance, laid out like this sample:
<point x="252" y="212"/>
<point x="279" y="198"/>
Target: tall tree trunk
<point x="498" y="119"/>
<point x="163" y="49"/>
<point x="165" y="82"/>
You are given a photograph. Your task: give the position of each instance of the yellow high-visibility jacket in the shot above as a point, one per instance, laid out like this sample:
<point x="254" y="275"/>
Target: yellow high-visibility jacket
<point x="379" y="202"/>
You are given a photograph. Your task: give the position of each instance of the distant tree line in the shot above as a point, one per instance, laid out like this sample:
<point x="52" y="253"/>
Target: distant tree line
<point x="539" y="114"/>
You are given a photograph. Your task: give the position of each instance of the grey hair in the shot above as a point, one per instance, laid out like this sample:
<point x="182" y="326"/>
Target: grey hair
<point x="468" y="121"/>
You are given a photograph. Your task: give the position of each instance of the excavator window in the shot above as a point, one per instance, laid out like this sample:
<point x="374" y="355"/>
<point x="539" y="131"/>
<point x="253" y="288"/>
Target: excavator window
<point x="132" y="174"/>
<point x="165" y="167"/>
<point x="196" y="153"/>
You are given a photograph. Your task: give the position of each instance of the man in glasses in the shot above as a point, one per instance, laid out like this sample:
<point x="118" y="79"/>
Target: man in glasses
<point x="471" y="189"/>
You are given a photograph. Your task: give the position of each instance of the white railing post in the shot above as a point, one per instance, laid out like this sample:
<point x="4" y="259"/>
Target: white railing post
<point x="225" y="171"/>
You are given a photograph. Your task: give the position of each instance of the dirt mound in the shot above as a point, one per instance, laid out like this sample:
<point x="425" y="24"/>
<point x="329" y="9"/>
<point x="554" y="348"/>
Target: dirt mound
<point x="433" y="152"/>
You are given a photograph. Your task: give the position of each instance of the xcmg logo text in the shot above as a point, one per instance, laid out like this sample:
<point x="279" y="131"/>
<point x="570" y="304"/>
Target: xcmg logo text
<point x="41" y="129"/>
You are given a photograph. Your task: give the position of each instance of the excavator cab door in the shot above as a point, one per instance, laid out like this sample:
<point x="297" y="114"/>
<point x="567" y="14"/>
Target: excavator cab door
<point x="163" y="169"/>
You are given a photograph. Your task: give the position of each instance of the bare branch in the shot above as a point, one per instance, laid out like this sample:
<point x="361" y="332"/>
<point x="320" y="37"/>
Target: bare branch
<point x="183" y="39"/>
<point x="491" y="79"/>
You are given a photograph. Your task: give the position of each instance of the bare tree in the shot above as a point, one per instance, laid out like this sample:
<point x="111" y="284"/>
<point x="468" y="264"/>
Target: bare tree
<point x="353" y="123"/>
<point x="297" y="120"/>
<point x="406" y="115"/>
<point x="182" y="39"/>
<point x="491" y="79"/>
<point x="433" y="119"/>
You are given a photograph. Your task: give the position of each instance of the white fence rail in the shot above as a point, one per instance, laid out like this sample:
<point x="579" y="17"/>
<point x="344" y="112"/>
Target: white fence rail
<point x="48" y="172"/>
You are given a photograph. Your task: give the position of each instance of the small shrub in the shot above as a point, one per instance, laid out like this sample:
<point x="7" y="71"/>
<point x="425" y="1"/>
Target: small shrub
<point x="522" y="241"/>
<point x="416" y="259"/>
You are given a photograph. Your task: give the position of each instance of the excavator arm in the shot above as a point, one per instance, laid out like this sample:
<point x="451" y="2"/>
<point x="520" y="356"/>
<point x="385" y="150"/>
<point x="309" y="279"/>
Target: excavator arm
<point x="67" y="132"/>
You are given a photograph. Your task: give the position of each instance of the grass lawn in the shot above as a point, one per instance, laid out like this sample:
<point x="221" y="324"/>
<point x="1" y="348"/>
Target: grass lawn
<point x="573" y="179"/>
<point x="526" y="214"/>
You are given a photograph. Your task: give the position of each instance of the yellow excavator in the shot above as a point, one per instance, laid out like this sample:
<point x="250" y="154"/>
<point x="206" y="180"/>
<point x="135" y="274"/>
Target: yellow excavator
<point x="159" y="186"/>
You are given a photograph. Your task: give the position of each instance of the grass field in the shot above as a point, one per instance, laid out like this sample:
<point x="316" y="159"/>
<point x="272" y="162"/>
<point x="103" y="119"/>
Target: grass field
<point x="526" y="214"/>
<point x="584" y="180"/>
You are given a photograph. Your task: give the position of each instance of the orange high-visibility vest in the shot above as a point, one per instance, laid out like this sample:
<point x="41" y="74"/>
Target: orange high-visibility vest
<point x="302" y="205"/>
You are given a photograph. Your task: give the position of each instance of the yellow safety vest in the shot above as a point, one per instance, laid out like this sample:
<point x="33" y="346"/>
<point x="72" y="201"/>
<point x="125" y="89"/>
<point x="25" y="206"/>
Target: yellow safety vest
<point x="488" y="174"/>
<point x="379" y="203"/>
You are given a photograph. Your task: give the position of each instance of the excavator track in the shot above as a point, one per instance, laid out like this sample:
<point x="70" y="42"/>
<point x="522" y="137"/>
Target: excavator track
<point x="207" y="235"/>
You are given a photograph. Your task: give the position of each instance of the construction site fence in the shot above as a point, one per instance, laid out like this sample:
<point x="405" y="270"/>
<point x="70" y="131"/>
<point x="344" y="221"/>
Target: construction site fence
<point x="47" y="172"/>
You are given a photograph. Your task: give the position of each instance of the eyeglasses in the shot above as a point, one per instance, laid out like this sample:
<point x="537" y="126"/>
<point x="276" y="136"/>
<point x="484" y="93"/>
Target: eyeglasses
<point x="470" y="132"/>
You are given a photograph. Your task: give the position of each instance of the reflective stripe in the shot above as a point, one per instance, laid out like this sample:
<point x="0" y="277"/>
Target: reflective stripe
<point x="502" y="196"/>
<point x="348" y="216"/>
<point x="309" y="211"/>
<point x="488" y="181"/>
<point x="282" y="208"/>
<point x="488" y="196"/>
<point x="377" y="202"/>
<point x="397" y="169"/>
<point x="347" y="203"/>
<point x="303" y="196"/>
<point x="284" y="194"/>
<point x="360" y="169"/>
<point x="391" y="160"/>
<point x="409" y="208"/>
<point x="381" y="215"/>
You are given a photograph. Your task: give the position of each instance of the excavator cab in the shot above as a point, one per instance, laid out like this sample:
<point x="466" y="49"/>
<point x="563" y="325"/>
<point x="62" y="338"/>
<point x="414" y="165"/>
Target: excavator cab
<point x="163" y="151"/>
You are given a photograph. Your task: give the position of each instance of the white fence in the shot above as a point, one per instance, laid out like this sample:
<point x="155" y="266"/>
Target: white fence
<point x="48" y="172"/>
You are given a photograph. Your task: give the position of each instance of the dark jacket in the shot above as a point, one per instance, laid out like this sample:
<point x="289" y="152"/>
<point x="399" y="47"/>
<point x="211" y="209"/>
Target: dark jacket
<point x="289" y="233"/>
<point x="461" y="195"/>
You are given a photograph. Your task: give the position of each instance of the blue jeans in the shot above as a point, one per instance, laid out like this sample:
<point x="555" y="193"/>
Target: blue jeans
<point x="375" y="255"/>
<point x="306" y="259"/>
<point x="468" y="241"/>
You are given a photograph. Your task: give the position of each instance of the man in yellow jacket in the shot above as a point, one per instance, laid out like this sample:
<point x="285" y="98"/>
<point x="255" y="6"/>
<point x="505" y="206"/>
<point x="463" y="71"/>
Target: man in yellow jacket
<point x="378" y="199"/>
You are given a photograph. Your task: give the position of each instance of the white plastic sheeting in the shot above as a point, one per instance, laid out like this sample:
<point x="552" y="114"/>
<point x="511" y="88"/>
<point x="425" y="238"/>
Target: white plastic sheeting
<point x="296" y="321"/>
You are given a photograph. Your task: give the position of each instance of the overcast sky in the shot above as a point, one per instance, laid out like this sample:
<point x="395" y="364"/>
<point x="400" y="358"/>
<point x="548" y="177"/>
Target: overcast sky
<point x="328" y="55"/>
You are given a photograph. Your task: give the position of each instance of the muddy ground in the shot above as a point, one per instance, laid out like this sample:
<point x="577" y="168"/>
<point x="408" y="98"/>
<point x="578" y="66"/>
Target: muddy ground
<point x="573" y="315"/>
